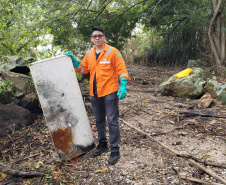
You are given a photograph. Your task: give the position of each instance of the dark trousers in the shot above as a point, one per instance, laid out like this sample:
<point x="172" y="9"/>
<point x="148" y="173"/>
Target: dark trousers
<point x="107" y="105"/>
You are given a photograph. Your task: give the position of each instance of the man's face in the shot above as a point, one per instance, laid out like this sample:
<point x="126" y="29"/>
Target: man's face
<point x="97" y="38"/>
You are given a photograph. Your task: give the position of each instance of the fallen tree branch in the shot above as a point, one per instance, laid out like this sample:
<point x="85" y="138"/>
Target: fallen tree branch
<point x="204" y="114"/>
<point x="204" y="161"/>
<point x="194" y="179"/>
<point x="24" y="174"/>
<point x="208" y="171"/>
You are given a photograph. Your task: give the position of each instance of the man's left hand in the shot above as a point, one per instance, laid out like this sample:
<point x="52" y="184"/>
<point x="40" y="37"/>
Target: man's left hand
<point x="122" y="90"/>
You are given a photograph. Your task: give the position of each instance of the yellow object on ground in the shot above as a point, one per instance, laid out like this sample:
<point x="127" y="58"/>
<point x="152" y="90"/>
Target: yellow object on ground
<point x="184" y="73"/>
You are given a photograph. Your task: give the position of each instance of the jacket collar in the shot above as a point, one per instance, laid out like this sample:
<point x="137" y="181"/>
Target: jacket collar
<point x="106" y="46"/>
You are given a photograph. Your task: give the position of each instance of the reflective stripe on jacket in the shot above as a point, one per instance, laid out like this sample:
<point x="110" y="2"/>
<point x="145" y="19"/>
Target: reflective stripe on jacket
<point x="108" y="68"/>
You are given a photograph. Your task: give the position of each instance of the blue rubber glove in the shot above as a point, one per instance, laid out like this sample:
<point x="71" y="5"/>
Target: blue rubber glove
<point x="122" y="90"/>
<point x="75" y="62"/>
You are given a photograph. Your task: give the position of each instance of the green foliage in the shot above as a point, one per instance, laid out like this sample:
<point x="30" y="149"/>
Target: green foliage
<point x="182" y="31"/>
<point x="18" y="31"/>
<point x="5" y="87"/>
<point x="25" y="23"/>
<point x="223" y="98"/>
<point x="79" y="76"/>
<point x="6" y="92"/>
<point x="29" y="84"/>
<point x="141" y="45"/>
<point x="174" y="31"/>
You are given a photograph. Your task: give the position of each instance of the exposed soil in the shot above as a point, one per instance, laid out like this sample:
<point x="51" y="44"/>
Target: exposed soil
<point x="142" y="161"/>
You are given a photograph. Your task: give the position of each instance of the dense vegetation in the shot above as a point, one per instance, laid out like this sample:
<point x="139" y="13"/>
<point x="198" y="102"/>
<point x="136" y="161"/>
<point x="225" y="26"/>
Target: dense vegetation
<point x="169" y="31"/>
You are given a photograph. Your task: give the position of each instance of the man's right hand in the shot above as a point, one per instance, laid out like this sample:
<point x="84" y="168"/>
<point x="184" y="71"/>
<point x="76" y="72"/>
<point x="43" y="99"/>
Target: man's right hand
<point x="75" y="62"/>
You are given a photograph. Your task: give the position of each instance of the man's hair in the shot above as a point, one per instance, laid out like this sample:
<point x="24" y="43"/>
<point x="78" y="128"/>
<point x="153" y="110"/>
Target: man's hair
<point x="97" y="28"/>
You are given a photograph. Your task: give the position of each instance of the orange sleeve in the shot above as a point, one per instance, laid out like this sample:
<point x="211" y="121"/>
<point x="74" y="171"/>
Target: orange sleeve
<point x="83" y="68"/>
<point x="120" y="66"/>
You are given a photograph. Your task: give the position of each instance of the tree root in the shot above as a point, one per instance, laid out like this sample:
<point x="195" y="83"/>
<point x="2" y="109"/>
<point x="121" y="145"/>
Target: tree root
<point x="23" y="174"/>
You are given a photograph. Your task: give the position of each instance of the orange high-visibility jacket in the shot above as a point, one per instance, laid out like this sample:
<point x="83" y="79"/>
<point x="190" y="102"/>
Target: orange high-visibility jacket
<point x="108" y="68"/>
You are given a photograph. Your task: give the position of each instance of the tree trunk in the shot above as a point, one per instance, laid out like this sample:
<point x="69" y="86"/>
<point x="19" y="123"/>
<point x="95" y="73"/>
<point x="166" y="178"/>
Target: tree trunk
<point x="223" y="41"/>
<point x="215" y="35"/>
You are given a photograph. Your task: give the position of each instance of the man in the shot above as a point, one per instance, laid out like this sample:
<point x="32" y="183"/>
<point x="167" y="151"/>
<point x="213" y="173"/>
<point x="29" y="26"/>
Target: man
<point x="106" y="66"/>
<point x="49" y="54"/>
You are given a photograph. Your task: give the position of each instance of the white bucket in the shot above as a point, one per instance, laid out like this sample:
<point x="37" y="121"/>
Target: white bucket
<point x="63" y="107"/>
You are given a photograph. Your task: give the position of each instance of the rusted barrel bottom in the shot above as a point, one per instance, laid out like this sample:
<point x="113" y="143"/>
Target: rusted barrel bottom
<point x="73" y="152"/>
<point x="65" y="147"/>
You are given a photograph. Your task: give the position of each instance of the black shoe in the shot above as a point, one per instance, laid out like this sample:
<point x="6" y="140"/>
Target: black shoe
<point x="114" y="157"/>
<point x="101" y="148"/>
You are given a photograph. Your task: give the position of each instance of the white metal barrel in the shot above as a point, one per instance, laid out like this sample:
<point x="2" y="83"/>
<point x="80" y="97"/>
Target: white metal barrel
<point x="63" y="107"/>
